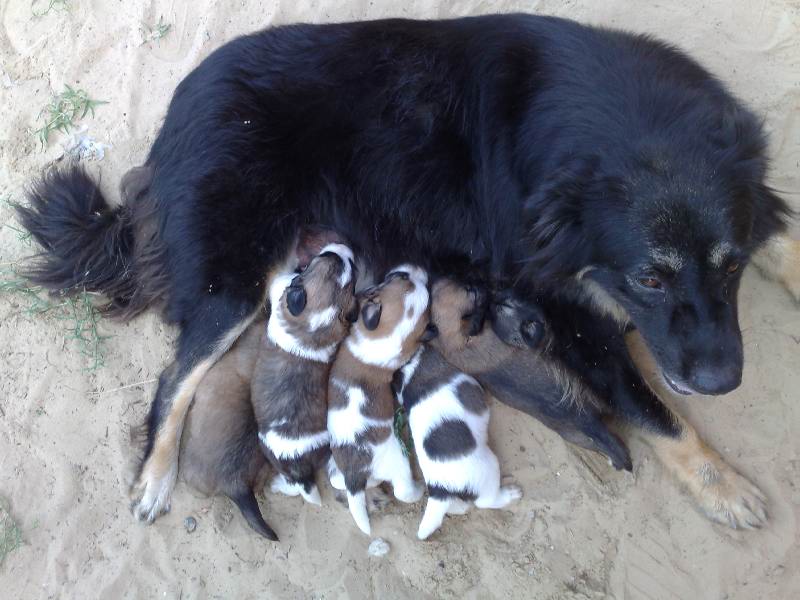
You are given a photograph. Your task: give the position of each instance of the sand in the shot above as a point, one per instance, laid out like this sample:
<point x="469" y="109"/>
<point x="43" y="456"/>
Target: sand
<point x="582" y="531"/>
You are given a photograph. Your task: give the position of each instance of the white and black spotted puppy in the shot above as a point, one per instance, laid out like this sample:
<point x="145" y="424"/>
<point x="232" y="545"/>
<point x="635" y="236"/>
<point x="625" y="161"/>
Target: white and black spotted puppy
<point x="391" y="323"/>
<point x="449" y="420"/>
<point x="310" y="315"/>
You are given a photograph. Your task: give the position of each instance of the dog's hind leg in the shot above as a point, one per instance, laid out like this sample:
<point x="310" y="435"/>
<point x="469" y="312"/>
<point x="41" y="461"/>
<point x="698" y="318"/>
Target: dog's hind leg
<point x="215" y="325"/>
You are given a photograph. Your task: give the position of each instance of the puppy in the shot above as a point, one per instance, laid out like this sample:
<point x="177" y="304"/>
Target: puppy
<point x="513" y="361"/>
<point x="449" y="420"/>
<point x="392" y="321"/>
<point x="220" y="454"/>
<point x="309" y="317"/>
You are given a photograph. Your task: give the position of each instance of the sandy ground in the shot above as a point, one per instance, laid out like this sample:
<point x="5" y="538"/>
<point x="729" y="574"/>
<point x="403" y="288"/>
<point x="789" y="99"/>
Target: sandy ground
<point x="582" y="530"/>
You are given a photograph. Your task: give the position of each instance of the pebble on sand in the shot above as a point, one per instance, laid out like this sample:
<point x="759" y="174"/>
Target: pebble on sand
<point x="378" y="547"/>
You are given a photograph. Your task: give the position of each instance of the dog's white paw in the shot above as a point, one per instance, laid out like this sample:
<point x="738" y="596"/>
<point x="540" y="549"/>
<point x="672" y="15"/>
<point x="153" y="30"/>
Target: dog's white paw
<point x="151" y="496"/>
<point x="730" y="499"/>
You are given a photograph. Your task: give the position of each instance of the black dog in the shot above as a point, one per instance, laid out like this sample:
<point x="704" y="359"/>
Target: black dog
<point x="607" y="171"/>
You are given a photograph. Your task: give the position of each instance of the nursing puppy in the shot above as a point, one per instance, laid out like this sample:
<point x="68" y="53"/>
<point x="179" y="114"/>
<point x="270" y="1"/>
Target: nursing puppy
<point x="449" y="421"/>
<point x="514" y="362"/>
<point x="392" y="321"/>
<point x="309" y="317"/>
<point x="219" y="446"/>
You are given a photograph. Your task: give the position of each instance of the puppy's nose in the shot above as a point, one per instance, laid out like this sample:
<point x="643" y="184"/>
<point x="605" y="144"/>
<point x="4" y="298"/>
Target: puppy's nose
<point x="716" y="379"/>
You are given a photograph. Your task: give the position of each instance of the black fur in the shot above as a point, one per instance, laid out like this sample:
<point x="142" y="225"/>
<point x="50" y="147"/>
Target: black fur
<point x="86" y="243"/>
<point x="516" y="147"/>
<point x="248" y="504"/>
<point x="440" y="493"/>
<point x="449" y="440"/>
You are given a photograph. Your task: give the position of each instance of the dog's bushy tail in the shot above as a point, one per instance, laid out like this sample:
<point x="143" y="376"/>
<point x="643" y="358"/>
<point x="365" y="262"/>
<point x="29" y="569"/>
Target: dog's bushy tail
<point x="87" y="245"/>
<point x="247" y="503"/>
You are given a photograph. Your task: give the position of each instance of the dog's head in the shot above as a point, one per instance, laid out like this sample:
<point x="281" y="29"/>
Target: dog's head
<point x="392" y="319"/>
<point x="658" y="231"/>
<point x="310" y="311"/>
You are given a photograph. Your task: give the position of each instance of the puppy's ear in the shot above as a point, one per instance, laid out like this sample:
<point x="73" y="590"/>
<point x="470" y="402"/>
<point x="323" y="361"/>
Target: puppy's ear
<point x="480" y="306"/>
<point x="431" y="331"/>
<point x="517" y="324"/>
<point x="371" y="313"/>
<point x="296" y="299"/>
<point x="532" y="333"/>
<point x="352" y="314"/>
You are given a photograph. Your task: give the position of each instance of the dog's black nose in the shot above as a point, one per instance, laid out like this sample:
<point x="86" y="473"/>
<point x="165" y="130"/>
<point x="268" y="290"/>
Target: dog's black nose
<point x="716" y="379"/>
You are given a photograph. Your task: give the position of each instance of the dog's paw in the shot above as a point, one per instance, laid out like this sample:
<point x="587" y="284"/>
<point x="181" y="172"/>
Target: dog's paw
<point x="151" y="497"/>
<point x="730" y="499"/>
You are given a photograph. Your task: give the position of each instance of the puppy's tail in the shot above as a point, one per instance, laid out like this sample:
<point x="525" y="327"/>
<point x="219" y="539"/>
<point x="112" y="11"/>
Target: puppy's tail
<point x="247" y="503"/>
<point x="358" y="508"/>
<point x="87" y="244"/>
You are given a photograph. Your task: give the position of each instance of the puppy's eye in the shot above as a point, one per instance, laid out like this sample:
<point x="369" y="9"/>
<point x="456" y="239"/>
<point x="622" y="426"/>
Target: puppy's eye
<point x="732" y="268"/>
<point x="650" y="282"/>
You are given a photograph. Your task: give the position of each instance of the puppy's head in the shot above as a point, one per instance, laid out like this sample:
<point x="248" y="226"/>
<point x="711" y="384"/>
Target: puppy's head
<point x="392" y="319"/>
<point x="310" y="311"/>
<point x="456" y="310"/>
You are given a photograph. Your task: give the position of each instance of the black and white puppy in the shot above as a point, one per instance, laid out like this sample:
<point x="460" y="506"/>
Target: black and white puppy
<point x="449" y="420"/>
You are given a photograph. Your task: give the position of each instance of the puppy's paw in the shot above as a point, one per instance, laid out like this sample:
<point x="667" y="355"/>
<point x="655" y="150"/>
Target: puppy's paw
<point x="151" y="497"/>
<point x="409" y="492"/>
<point x="730" y="499"/>
<point x="511" y="493"/>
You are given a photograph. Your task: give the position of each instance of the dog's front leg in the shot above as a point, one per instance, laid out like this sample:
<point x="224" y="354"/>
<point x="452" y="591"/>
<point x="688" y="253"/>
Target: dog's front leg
<point x="595" y="348"/>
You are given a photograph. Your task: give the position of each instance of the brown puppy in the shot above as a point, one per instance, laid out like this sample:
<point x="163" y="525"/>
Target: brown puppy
<point x="510" y="360"/>
<point x="310" y="315"/>
<point x="393" y="319"/>
<point x="219" y="447"/>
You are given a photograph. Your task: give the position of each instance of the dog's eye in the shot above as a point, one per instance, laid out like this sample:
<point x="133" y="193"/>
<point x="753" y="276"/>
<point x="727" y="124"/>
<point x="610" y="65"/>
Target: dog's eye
<point x="650" y="282"/>
<point x="732" y="268"/>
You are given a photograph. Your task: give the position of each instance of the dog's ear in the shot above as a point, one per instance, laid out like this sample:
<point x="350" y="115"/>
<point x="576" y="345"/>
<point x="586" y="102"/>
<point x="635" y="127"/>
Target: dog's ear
<point x="296" y="299"/>
<point x="556" y="240"/>
<point x="532" y="333"/>
<point x="506" y="325"/>
<point x="770" y="214"/>
<point x="517" y="324"/>
<point x="478" y="309"/>
<point x="371" y="314"/>
<point x="431" y="331"/>
<point x="352" y="314"/>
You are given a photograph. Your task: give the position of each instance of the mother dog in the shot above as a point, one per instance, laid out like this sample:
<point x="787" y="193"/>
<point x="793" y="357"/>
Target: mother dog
<point x="608" y="174"/>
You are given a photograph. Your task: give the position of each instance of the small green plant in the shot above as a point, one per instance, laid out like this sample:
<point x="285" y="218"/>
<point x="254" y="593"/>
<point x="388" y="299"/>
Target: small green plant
<point x="82" y="318"/>
<point x="400" y="430"/>
<point x="152" y="33"/>
<point x="78" y="311"/>
<point x="63" y="110"/>
<point x="10" y="532"/>
<point x="51" y="4"/>
<point x="22" y="235"/>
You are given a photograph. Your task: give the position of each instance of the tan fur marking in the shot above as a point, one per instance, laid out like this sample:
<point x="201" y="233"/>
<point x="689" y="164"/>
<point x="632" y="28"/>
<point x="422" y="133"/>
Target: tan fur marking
<point x="723" y="494"/>
<point x="602" y="299"/>
<point x="718" y="252"/>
